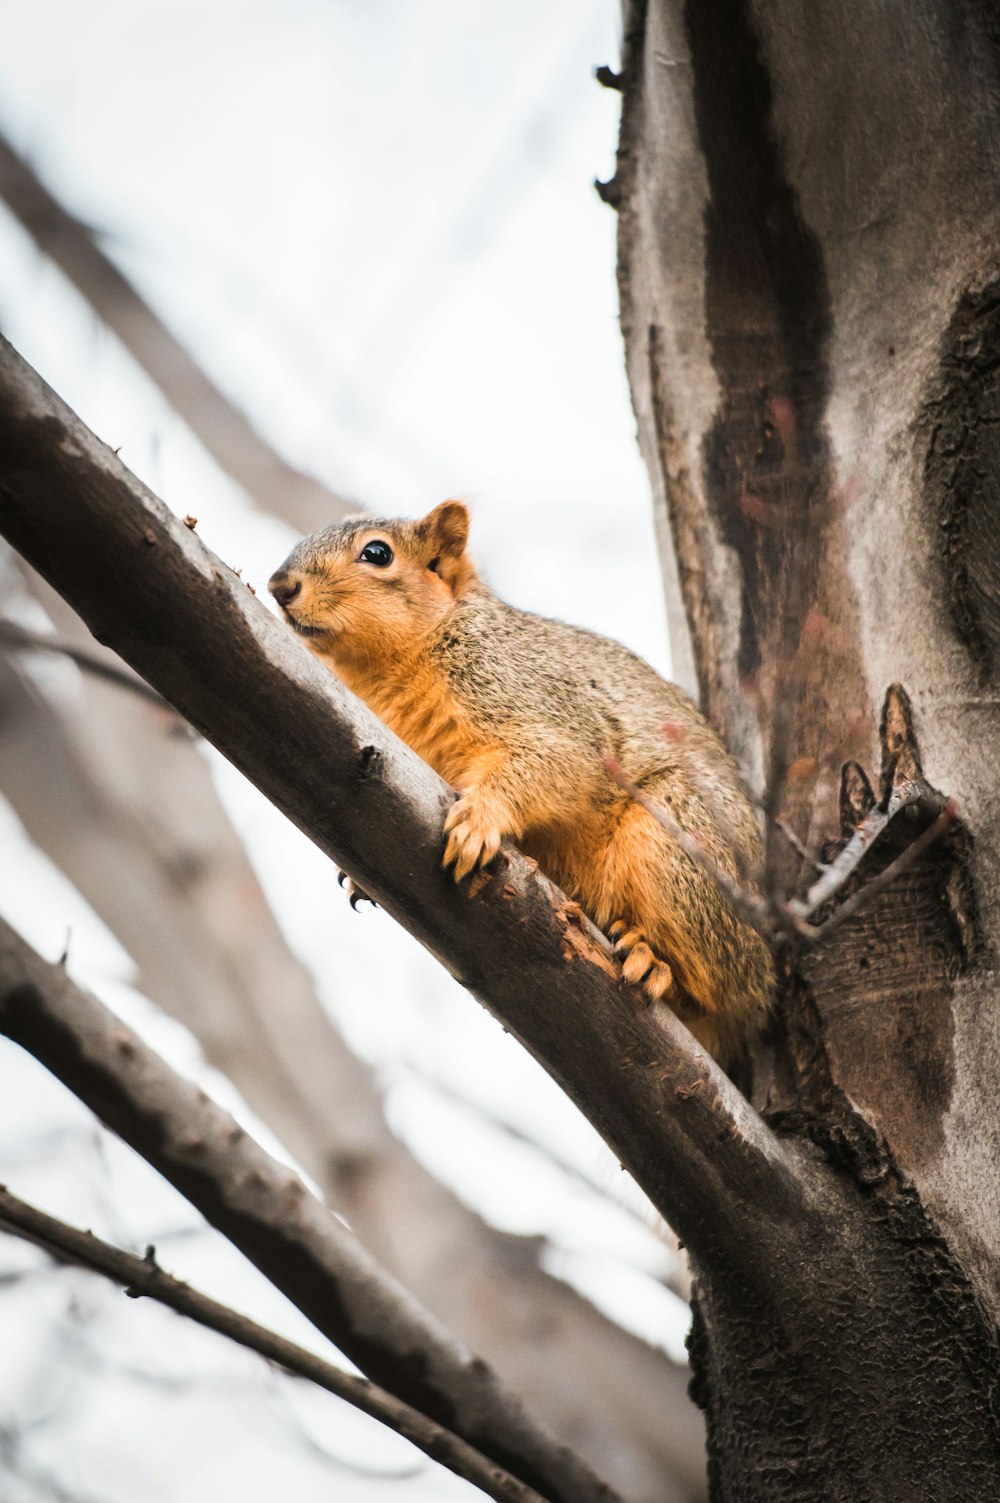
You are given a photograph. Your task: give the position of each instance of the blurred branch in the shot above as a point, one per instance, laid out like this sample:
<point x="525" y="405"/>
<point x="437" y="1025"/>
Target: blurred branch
<point x="44" y="1485"/>
<point x="224" y="430"/>
<point x="642" y="1215"/>
<point x="20" y="638"/>
<point x="147" y="584"/>
<point x="265" y="1210"/>
<point x="799" y="847"/>
<point x="144" y="1276"/>
<point x="131" y="814"/>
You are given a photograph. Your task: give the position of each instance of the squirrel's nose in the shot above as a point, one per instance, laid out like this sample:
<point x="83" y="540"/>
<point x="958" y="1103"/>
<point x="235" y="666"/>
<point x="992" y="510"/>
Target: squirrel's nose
<point x="284" y="589"/>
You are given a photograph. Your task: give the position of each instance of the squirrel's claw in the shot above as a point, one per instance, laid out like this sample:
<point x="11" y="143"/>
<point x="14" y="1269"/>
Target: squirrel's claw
<point x="355" y="894"/>
<point x="640" y="963"/>
<point x="471" y="840"/>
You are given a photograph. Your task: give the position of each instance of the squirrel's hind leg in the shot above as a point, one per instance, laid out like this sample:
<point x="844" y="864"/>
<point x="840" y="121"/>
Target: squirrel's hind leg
<point x="650" y="899"/>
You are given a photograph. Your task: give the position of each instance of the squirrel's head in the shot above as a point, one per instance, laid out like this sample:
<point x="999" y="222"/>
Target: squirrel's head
<point x="370" y="589"/>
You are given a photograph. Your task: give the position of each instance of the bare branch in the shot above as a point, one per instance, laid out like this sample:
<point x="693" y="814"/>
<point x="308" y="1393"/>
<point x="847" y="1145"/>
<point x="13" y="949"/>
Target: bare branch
<point x="794" y="915"/>
<point x="104" y="791"/>
<point x="801" y="850"/>
<point x="901" y="864"/>
<point x="904" y="795"/>
<point x="226" y="432"/>
<point x="19" y="637"/>
<point x="144" y="1276"/>
<point x="147" y="584"/>
<point x="266" y="1211"/>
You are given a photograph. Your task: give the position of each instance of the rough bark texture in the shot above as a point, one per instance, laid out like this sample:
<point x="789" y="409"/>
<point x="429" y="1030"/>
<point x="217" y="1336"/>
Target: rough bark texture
<point x="809" y="220"/>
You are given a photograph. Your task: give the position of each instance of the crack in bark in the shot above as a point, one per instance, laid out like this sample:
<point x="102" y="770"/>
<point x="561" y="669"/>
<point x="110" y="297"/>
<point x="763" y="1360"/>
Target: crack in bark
<point x="768" y="317"/>
<point x="962" y="471"/>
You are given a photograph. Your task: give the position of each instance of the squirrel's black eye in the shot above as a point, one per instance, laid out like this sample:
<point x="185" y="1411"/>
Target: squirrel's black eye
<point x="376" y="553"/>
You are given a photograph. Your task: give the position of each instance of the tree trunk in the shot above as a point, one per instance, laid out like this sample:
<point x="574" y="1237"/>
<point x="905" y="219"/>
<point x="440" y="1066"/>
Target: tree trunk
<point x="810" y="290"/>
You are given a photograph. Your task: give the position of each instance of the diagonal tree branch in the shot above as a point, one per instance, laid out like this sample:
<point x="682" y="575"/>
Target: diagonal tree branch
<point x="193" y="917"/>
<point x="266" y="1211"/>
<point x="144" y="1276"/>
<point x="225" y="431"/>
<point x="145" y="583"/>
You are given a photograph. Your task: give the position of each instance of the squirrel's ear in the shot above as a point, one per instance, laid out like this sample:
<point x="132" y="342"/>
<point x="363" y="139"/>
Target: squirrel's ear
<point x="446" y="531"/>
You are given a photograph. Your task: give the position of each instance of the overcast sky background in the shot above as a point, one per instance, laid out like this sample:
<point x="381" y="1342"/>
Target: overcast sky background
<point x="373" y="222"/>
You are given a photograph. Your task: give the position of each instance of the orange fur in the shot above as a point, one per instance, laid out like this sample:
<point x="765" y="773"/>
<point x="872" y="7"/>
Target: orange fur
<point x="518" y="714"/>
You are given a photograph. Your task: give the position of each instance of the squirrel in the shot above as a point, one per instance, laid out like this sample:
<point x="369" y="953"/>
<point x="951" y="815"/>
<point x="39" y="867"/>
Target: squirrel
<point x="522" y="715"/>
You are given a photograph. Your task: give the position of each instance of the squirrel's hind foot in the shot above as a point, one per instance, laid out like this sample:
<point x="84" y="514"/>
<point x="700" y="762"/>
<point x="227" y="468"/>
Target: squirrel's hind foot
<point x="640" y="963"/>
<point x="355" y="894"/>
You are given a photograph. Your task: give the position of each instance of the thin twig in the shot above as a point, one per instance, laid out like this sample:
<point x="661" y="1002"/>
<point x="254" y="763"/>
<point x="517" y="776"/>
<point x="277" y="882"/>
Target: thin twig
<point x="798" y="846"/>
<point x="144" y="1276"/>
<point x="751" y="909"/>
<point x="794" y="915"/>
<point x="903" y="796"/>
<point x="19" y="637"/>
<point x="901" y="864"/>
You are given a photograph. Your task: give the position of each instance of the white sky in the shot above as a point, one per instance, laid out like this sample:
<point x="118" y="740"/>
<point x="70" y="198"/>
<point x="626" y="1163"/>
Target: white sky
<point x="373" y="222"/>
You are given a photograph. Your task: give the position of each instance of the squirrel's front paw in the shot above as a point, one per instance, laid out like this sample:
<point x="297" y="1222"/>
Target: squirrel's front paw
<point x="640" y="963"/>
<point x="473" y="840"/>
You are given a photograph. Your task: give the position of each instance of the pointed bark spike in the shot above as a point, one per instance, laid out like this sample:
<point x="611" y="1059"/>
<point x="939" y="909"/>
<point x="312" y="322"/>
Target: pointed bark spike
<point x="857" y="796"/>
<point x="609" y="192"/>
<point x="900" y="753"/>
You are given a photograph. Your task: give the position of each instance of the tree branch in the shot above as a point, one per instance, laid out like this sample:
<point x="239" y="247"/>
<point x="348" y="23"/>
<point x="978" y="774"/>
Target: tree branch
<point x="905" y="795"/>
<point x="225" y="431"/>
<point x="895" y="869"/>
<point x="266" y="1211"/>
<point x="144" y="1276"/>
<point x="146" y="584"/>
<point x="12" y="635"/>
<point x="794" y="915"/>
<point x="105" y="789"/>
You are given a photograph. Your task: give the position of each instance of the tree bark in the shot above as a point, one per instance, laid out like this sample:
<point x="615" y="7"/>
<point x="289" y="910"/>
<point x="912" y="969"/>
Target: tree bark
<point x="808" y="226"/>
